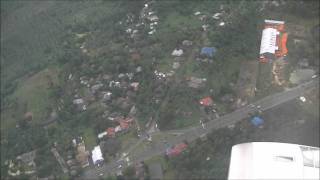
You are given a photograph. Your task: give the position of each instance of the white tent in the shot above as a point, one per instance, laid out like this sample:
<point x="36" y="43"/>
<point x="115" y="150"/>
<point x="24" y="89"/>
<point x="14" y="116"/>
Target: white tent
<point x="97" y="155"/>
<point x="268" y="41"/>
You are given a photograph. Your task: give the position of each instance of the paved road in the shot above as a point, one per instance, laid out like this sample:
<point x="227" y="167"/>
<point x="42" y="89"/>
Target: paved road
<point x="193" y="133"/>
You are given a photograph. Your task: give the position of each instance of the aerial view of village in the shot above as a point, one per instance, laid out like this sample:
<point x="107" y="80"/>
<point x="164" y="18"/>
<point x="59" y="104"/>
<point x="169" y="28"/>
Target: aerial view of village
<point x="160" y="89"/>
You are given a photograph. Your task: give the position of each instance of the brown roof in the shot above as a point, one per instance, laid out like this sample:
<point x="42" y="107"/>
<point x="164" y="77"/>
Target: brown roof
<point x="82" y="155"/>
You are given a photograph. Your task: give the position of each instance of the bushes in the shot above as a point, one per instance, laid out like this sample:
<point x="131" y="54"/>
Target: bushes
<point x="193" y="164"/>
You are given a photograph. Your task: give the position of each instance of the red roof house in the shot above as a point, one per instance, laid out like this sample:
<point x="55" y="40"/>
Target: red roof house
<point x="124" y="125"/>
<point x="207" y="101"/>
<point x="111" y="132"/>
<point x="177" y="149"/>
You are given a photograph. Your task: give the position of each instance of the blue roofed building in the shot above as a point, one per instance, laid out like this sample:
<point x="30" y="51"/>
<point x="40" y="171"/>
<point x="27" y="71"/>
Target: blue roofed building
<point x="208" y="51"/>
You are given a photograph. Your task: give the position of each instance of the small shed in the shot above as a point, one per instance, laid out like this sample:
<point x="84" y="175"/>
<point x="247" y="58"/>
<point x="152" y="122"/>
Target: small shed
<point x="208" y="51"/>
<point x="257" y="121"/>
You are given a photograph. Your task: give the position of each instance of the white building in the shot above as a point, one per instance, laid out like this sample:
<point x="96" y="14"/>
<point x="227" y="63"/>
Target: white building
<point x="273" y="41"/>
<point x="270" y="160"/>
<point x="97" y="155"/>
<point x="177" y="52"/>
<point x="78" y="101"/>
<point x="101" y="135"/>
<point x="268" y="41"/>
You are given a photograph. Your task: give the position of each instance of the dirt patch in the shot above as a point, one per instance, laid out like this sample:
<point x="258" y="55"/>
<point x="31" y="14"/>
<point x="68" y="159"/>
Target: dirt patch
<point x="247" y="80"/>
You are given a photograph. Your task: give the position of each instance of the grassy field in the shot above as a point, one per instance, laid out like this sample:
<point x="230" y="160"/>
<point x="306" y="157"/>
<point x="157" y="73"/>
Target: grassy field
<point x="89" y="138"/>
<point x="32" y="95"/>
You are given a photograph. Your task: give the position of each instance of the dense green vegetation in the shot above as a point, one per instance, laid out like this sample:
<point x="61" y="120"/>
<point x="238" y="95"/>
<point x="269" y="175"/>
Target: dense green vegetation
<point x="42" y="44"/>
<point x="195" y="164"/>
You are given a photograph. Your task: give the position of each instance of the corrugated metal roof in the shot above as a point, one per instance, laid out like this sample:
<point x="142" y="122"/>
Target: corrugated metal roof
<point x="97" y="155"/>
<point x="268" y="41"/>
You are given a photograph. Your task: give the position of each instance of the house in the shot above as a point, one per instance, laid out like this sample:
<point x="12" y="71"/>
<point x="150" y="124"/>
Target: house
<point x="135" y="86"/>
<point x="155" y="171"/>
<point x="133" y="111"/>
<point x="96" y="87"/>
<point x="205" y="27"/>
<point x="208" y="51"/>
<point x="197" y="13"/>
<point x="207" y="101"/>
<point x="153" y="18"/>
<point x="203" y="17"/>
<point x="117" y="129"/>
<point x="216" y="16"/>
<point x="177" y="52"/>
<point x="107" y="96"/>
<point x="196" y="82"/>
<point x="176" y="65"/>
<point x="28" y="116"/>
<point x="176" y="150"/>
<point x="82" y="155"/>
<point x="80" y="104"/>
<point x="130" y="75"/>
<point x="138" y="69"/>
<point x="78" y="101"/>
<point x="28" y="158"/>
<point x="111" y="132"/>
<point x="273" y="41"/>
<point x="222" y="23"/>
<point x="97" y="158"/>
<point x="101" y="135"/>
<point x="125" y="123"/>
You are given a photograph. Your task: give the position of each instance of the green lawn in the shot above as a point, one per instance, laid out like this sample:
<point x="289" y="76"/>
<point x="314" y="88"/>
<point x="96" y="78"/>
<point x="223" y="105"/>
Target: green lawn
<point x="32" y="95"/>
<point x="89" y="138"/>
<point x="127" y="140"/>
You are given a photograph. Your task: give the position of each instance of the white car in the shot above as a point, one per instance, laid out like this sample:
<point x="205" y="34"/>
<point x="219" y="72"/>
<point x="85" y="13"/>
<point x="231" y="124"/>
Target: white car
<point x="314" y="76"/>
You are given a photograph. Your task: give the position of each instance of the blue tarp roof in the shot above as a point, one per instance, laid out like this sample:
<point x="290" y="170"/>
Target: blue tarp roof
<point x="257" y="121"/>
<point x="209" y="51"/>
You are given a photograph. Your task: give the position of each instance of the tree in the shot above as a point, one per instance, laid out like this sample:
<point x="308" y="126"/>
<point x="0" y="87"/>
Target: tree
<point x="111" y="146"/>
<point x="129" y="173"/>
